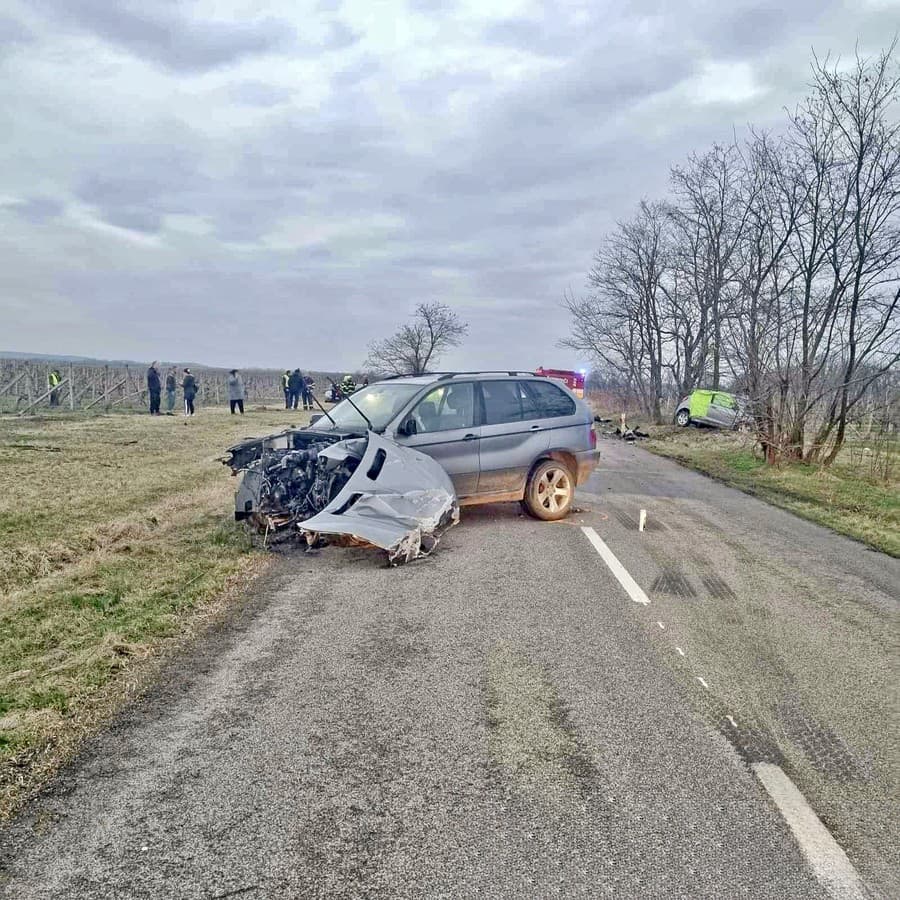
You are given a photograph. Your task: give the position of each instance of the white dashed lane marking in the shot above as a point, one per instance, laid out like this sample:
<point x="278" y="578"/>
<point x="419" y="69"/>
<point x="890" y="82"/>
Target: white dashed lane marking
<point x="823" y="853"/>
<point x="631" y="586"/>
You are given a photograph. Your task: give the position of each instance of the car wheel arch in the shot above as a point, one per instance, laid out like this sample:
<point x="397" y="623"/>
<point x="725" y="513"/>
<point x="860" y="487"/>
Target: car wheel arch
<point x="561" y="456"/>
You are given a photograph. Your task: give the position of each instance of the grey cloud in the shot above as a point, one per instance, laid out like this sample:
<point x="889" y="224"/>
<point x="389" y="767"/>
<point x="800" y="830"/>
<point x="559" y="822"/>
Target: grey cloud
<point x="433" y="7"/>
<point x="495" y="203"/>
<point x="355" y="73"/>
<point x="551" y="34"/>
<point x="340" y="36"/>
<point x="258" y="93"/>
<point x="159" y="30"/>
<point x="135" y="186"/>
<point x="38" y="209"/>
<point x="737" y="28"/>
<point x="13" y="34"/>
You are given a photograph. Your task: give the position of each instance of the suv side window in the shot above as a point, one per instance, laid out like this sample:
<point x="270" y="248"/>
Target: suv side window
<point x="552" y="401"/>
<point x="445" y="408"/>
<point x="502" y="401"/>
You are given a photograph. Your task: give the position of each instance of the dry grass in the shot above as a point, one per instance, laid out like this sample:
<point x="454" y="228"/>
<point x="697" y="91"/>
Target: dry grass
<point x="852" y="497"/>
<point x="115" y="534"/>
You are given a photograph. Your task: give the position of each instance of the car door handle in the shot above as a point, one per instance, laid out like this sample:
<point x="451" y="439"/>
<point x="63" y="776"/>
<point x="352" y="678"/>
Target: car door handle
<point x="535" y="427"/>
<point x="471" y="437"/>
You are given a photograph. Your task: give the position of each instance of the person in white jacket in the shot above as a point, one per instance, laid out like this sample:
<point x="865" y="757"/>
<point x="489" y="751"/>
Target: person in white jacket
<point x="236" y="395"/>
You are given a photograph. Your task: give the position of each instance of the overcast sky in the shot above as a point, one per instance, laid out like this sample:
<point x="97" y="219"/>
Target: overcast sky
<point x="276" y="182"/>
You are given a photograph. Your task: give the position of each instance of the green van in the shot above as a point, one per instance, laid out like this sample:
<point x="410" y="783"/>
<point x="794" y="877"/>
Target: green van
<point x="716" y="408"/>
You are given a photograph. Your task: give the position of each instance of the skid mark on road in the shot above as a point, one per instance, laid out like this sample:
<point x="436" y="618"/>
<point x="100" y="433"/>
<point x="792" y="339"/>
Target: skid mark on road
<point x="718" y="588"/>
<point x="673" y="582"/>
<point x="825" y="750"/>
<point x="755" y="743"/>
<point x="652" y="524"/>
<point x="602" y="506"/>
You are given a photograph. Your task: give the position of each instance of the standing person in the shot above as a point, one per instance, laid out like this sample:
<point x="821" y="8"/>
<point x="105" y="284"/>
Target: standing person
<point x="286" y="386"/>
<point x="295" y="388"/>
<point x="53" y="380"/>
<point x="306" y="384"/>
<point x="236" y="391"/>
<point x="154" y="387"/>
<point x="189" y="388"/>
<point x="170" y="391"/>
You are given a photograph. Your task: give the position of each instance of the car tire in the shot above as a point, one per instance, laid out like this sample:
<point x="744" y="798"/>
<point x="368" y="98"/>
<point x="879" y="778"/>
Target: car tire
<point x="683" y="418"/>
<point x="550" y="491"/>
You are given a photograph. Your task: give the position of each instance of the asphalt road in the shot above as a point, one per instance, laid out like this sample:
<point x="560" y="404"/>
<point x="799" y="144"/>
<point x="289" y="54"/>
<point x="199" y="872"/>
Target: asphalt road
<point x="502" y="720"/>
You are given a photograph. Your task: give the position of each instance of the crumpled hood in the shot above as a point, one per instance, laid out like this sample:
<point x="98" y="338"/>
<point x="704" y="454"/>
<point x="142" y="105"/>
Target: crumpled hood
<point x="398" y="499"/>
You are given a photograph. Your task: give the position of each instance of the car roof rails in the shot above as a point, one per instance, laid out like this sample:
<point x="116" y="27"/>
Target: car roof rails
<point x="446" y="375"/>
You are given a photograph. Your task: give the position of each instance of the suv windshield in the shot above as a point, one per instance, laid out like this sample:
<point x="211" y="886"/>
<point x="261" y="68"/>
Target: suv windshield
<point x="380" y="402"/>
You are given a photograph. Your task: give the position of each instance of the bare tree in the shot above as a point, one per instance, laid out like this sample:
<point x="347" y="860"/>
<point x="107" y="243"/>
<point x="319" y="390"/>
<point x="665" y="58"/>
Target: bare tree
<point x="621" y="323"/>
<point x="857" y="107"/>
<point x="759" y="336"/>
<point x="434" y="329"/>
<point x="777" y="260"/>
<point x="710" y="218"/>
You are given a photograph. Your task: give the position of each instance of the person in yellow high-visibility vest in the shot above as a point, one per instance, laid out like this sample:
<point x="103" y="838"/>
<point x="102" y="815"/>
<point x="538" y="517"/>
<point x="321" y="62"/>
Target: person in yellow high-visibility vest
<point x="53" y="380"/>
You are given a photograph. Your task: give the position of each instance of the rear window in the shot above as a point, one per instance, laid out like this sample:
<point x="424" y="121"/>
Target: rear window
<point x="552" y="401"/>
<point x="502" y="402"/>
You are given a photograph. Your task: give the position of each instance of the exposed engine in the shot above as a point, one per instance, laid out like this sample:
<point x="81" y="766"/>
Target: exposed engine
<point x="347" y="489"/>
<point x="290" y="477"/>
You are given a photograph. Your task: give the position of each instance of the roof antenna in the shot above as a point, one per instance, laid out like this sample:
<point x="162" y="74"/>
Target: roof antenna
<point x="347" y="398"/>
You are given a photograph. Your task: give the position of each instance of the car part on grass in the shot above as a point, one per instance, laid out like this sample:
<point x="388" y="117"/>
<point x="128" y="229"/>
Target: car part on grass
<point x="344" y="488"/>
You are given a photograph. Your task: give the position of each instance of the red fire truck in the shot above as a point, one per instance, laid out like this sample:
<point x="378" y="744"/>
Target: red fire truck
<point x="574" y="381"/>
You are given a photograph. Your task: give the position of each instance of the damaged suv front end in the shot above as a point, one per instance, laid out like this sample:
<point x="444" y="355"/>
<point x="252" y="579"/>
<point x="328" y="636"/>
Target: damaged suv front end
<point x="347" y="488"/>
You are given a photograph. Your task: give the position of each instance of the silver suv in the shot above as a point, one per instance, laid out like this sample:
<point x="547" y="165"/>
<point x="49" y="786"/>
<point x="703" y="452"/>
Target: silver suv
<point x="500" y="436"/>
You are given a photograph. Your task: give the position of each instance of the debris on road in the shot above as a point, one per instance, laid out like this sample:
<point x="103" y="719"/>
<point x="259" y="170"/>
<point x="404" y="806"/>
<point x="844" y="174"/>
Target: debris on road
<point x="622" y="430"/>
<point x="349" y="489"/>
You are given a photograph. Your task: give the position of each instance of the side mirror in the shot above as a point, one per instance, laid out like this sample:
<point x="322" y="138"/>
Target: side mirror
<point x="315" y="418"/>
<point x="407" y="427"/>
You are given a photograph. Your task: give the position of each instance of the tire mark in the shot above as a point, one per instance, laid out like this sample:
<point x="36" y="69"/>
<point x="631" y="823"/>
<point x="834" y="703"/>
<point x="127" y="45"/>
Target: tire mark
<point x="672" y="581"/>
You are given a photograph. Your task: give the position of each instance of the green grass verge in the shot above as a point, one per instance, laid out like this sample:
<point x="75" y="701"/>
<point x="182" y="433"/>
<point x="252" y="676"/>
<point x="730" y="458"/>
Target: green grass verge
<point x="116" y="532"/>
<point x="843" y="497"/>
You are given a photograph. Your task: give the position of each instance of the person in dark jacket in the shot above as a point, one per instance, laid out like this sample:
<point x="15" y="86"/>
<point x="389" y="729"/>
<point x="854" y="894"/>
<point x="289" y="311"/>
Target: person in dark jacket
<point x="154" y="388"/>
<point x="189" y="388"/>
<point x="171" y="384"/>
<point x="295" y="387"/>
<point x="286" y="386"/>
<point x="236" y="391"/>
<point x="306" y="384"/>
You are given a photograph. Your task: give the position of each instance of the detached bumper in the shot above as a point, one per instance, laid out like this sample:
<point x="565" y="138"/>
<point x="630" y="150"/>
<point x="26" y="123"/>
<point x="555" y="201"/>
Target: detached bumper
<point x="398" y="499"/>
<point x="586" y="461"/>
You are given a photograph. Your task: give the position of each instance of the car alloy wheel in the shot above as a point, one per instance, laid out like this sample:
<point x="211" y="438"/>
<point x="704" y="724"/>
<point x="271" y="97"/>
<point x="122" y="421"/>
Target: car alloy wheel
<point x="683" y="418"/>
<point x="550" y="491"/>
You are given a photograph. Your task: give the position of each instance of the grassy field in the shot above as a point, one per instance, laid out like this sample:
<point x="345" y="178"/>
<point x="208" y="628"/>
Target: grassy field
<point x="116" y="535"/>
<point x="848" y="497"/>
